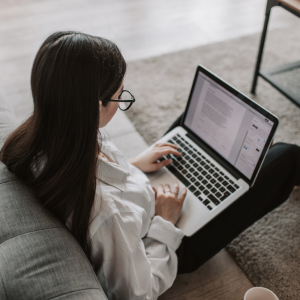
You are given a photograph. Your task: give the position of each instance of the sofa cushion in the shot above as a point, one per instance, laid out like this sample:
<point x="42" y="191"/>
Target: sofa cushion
<point x="39" y="257"/>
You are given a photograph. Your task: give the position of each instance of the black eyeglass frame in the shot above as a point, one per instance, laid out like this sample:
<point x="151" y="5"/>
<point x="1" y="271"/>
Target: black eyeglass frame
<point x="131" y="101"/>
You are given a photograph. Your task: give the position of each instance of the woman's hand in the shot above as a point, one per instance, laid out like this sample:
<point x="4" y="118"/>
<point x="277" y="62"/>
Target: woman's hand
<point x="167" y="203"/>
<point x="148" y="161"/>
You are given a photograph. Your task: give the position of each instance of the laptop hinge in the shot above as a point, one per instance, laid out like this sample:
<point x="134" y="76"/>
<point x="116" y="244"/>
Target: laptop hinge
<point x="225" y="165"/>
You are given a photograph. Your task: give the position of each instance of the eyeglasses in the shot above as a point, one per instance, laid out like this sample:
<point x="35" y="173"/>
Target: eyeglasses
<point x="125" y="100"/>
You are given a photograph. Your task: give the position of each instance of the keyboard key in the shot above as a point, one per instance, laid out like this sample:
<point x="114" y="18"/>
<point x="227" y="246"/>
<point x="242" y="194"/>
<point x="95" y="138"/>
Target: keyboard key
<point x="180" y="168"/>
<point x="204" y="173"/>
<point x="195" y="165"/>
<point x="206" y="202"/>
<point x="208" y="177"/>
<point x="222" y="173"/>
<point x="188" y="175"/>
<point x="216" y="175"/>
<point x="176" y="163"/>
<point x="190" y="152"/>
<point x="200" y="169"/>
<point x="209" y="186"/>
<point x="197" y="193"/>
<point x="198" y="159"/>
<point x="194" y="155"/>
<point x="187" y="157"/>
<point x="209" y="207"/>
<point x="192" y="170"/>
<point x="217" y="169"/>
<point x="193" y="179"/>
<point x="213" y="181"/>
<point x="222" y="189"/>
<point x="220" y="179"/>
<point x="206" y="192"/>
<point x="192" y="188"/>
<point x="226" y="177"/>
<point x="200" y="198"/>
<point x="184" y="172"/>
<point x="204" y="181"/>
<point x="211" y="171"/>
<point x="231" y="181"/>
<point x="196" y="173"/>
<point x="213" y="199"/>
<point x="170" y="141"/>
<point x="202" y="163"/>
<point x="225" y="183"/>
<point x="217" y="184"/>
<point x="186" y="148"/>
<point x="213" y="190"/>
<point x="197" y="183"/>
<point x="236" y="186"/>
<point x="212" y="165"/>
<point x="201" y="188"/>
<point x="200" y="177"/>
<point x="179" y="176"/>
<point x="218" y="194"/>
<point x="226" y="194"/>
<point x="206" y="167"/>
<point x="187" y="166"/>
<point x="231" y="189"/>
<point x="191" y="161"/>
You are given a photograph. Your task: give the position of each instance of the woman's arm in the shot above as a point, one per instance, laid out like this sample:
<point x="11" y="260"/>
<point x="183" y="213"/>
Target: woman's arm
<point x="131" y="267"/>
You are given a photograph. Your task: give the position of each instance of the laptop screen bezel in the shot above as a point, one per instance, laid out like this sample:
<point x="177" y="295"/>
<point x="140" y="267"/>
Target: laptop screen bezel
<point x="227" y="165"/>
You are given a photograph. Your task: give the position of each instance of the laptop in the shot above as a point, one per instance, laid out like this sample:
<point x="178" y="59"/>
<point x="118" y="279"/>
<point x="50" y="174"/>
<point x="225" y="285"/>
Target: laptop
<point x="223" y="138"/>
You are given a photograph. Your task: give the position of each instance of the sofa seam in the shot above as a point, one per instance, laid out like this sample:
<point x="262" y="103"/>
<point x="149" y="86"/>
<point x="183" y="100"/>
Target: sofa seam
<point x="8" y="181"/>
<point x="57" y="297"/>
<point x="29" y="233"/>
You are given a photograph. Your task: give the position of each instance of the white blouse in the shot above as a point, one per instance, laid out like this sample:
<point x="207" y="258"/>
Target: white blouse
<point x="133" y="250"/>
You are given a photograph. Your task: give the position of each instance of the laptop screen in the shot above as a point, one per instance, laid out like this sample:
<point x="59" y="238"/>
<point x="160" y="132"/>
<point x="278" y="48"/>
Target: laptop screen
<point x="227" y="124"/>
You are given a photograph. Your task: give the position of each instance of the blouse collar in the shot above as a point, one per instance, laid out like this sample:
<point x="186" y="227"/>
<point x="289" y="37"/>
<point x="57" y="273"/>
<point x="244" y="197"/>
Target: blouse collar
<point x="112" y="174"/>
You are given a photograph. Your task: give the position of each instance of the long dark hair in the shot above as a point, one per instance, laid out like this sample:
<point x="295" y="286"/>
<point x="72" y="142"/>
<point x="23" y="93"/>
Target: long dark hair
<point x="55" y="150"/>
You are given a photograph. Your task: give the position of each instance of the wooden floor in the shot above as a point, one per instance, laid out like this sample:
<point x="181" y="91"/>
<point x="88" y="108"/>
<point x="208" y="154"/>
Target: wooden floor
<point x="141" y="29"/>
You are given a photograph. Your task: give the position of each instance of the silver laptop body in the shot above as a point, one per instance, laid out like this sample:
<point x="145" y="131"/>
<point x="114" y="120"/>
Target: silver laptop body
<point x="224" y="138"/>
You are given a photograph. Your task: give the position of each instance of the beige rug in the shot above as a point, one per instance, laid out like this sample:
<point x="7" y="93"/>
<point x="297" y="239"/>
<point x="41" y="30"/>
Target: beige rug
<point x="269" y="251"/>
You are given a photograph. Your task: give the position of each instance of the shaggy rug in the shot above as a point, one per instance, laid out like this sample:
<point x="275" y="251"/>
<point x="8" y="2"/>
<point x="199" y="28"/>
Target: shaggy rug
<point x="269" y="251"/>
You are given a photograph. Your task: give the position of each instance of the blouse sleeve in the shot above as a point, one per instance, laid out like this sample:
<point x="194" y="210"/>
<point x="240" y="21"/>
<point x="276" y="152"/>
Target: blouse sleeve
<point x="130" y="267"/>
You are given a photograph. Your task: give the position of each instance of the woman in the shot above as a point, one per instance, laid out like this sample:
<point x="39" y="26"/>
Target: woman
<point x="126" y="228"/>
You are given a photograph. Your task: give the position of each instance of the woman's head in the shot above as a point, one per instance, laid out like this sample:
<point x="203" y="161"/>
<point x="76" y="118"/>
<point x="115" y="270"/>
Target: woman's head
<point x="55" y="151"/>
<point x="72" y="71"/>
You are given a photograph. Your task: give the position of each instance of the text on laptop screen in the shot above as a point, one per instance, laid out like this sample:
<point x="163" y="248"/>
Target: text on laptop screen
<point x="227" y="124"/>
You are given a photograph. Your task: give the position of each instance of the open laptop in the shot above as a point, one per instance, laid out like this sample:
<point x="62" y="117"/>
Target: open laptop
<point x="223" y="138"/>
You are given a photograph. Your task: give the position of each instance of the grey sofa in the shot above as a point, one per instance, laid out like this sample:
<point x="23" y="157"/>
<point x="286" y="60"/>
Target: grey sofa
<point x="39" y="257"/>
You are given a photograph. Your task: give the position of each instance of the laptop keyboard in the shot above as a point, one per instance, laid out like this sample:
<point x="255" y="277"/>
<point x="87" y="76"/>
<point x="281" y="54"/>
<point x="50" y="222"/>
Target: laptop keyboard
<point x="210" y="185"/>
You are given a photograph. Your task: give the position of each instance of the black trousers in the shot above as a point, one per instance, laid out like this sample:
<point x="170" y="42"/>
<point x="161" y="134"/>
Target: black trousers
<point x="279" y="174"/>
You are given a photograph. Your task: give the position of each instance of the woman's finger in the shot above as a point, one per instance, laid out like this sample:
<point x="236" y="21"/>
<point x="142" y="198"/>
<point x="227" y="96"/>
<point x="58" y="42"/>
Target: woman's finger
<point x="160" y="189"/>
<point x="155" y="191"/>
<point x="167" y="144"/>
<point x="176" y="189"/>
<point x="164" y="163"/>
<point x="167" y="188"/>
<point x="182" y="197"/>
<point x="165" y="151"/>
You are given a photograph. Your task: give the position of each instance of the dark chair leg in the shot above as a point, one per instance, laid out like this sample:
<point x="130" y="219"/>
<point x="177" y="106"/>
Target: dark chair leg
<point x="260" y="51"/>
